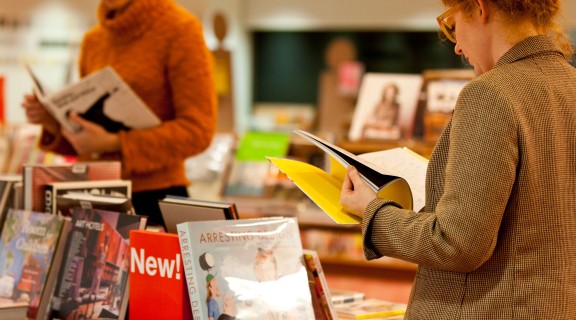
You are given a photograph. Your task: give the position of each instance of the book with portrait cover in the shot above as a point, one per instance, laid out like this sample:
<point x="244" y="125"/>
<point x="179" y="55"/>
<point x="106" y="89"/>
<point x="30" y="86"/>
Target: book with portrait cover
<point x="118" y="188"/>
<point x="386" y="107"/>
<point x="30" y="245"/>
<point x="93" y="280"/>
<point x="157" y="283"/>
<point x="101" y="97"/>
<point x="36" y="176"/>
<point x="247" y="269"/>
<point x="398" y="174"/>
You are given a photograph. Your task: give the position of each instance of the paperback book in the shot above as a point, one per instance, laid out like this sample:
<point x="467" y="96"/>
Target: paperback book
<point x="370" y="309"/>
<point x="7" y="190"/>
<point x="101" y="97"/>
<point x="93" y="280"/>
<point x="117" y="188"/>
<point x="36" y="176"/>
<point x="29" y="248"/>
<point x="177" y="210"/>
<point x="340" y="296"/>
<point x="66" y="203"/>
<point x="247" y="269"/>
<point x="322" y="300"/>
<point x="250" y="173"/>
<point x="157" y="283"/>
<point x="397" y="174"/>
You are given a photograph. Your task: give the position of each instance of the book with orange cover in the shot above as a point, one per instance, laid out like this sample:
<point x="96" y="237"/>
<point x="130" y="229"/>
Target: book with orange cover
<point x="156" y="262"/>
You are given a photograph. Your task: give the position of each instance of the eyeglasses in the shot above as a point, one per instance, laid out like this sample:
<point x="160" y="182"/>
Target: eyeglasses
<point x="447" y="24"/>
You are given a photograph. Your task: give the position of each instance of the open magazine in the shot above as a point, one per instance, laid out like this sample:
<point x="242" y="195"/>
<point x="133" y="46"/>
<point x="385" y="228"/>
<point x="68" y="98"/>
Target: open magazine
<point x="397" y="174"/>
<point x="101" y="97"/>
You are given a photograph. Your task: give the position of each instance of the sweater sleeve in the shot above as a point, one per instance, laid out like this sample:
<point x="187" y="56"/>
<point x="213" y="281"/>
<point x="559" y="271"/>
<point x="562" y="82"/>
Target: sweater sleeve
<point x="461" y="234"/>
<point x="193" y="97"/>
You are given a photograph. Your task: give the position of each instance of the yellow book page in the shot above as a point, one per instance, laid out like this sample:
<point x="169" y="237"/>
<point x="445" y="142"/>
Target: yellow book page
<point x="321" y="187"/>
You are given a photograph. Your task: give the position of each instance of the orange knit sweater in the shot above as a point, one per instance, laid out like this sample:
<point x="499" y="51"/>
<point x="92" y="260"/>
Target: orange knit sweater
<point x="159" y="50"/>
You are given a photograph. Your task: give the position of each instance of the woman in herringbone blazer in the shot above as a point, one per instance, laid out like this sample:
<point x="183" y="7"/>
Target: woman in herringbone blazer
<point x="497" y="238"/>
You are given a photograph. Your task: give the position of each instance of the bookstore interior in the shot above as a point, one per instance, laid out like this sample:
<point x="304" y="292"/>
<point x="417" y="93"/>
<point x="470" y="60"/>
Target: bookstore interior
<point x="304" y="90"/>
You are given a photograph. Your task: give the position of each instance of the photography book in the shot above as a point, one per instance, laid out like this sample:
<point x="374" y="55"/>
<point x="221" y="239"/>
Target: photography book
<point x="118" y="188"/>
<point x="177" y="210"/>
<point x="397" y="174"/>
<point x="67" y="202"/>
<point x="247" y="269"/>
<point x="31" y="246"/>
<point x="101" y="97"/>
<point x="93" y="280"/>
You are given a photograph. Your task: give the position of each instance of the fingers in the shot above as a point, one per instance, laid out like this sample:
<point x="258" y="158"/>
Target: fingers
<point x="347" y="185"/>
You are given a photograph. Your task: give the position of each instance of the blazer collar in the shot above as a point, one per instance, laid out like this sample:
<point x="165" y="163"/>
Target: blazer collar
<point x="528" y="47"/>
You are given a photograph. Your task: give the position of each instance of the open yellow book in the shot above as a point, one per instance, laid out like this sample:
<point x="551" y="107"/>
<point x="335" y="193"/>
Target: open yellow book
<point x="397" y="174"/>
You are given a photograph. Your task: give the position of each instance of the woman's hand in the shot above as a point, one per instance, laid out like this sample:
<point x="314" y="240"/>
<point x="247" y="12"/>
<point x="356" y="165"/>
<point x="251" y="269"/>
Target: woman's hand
<point x="356" y="194"/>
<point x="37" y="114"/>
<point x="92" y="139"/>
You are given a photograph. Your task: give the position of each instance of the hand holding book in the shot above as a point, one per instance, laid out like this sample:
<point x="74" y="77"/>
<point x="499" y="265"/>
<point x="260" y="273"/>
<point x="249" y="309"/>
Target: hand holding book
<point x="356" y="194"/>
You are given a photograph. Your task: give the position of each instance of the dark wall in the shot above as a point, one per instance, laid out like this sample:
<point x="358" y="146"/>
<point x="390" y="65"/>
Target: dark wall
<point x="287" y="65"/>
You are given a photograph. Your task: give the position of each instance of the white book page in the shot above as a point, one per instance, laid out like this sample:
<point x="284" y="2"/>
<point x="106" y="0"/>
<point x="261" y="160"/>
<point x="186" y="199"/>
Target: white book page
<point x="403" y="163"/>
<point x="324" y="145"/>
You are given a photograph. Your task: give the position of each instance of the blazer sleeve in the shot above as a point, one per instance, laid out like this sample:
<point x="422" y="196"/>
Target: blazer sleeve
<point x="462" y="232"/>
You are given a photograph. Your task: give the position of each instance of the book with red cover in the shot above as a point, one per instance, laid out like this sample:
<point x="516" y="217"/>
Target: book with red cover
<point x="36" y="176"/>
<point x="157" y="281"/>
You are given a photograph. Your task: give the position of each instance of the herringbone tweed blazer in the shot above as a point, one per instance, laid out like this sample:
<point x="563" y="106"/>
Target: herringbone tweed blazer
<point x="497" y="238"/>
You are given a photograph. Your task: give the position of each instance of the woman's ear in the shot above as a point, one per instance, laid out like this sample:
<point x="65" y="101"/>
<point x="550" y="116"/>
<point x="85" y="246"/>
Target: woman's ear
<point x="483" y="10"/>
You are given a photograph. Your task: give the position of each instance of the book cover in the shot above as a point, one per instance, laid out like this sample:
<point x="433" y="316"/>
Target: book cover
<point x="323" y="306"/>
<point x="370" y="309"/>
<point x="340" y="296"/>
<point x="209" y="170"/>
<point x="67" y="202"/>
<point x="250" y="173"/>
<point x="36" y="176"/>
<point x="101" y="97"/>
<point x="398" y="174"/>
<point x="157" y="282"/>
<point x="27" y="247"/>
<point x="386" y="106"/>
<point x="177" y="210"/>
<point x="117" y="188"/>
<point x="248" y="269"/>
<point x="7" y="185"/>
<point x="440" y="91"/>
<point x="93" y="280"/>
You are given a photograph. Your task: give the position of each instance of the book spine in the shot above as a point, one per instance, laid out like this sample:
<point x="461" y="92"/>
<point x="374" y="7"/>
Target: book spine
<point x="189" y="270"/>
<point x="27" y="186"/>
<point x="49" y="198"/>
<point x="40" y="311"/>
<point x="314" y="265"/>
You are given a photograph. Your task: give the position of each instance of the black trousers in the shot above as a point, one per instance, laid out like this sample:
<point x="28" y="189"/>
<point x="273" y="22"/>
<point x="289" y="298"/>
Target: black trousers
<point x="146" y="203"/>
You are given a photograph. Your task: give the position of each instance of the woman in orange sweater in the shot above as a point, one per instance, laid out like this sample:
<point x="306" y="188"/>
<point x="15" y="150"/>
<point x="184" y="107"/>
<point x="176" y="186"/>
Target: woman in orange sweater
<point x="159" y="50"/>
